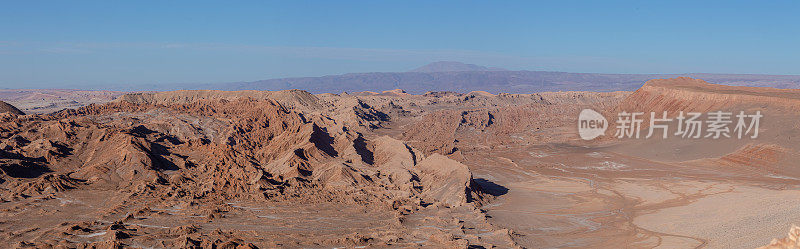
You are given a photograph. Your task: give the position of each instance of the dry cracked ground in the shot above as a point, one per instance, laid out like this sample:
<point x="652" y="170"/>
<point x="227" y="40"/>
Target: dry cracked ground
<point x="258" y="169"/>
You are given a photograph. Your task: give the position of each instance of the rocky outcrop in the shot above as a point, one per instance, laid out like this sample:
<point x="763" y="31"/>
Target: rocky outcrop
<point x="173" y="146"/>
<point x="7" y="108"/>
<point x="287" y="98"/>
<point x="480" y="119"/>
<point x="447" y="181"/>
<point x="695" y="95"/>
<point x="354" y="112"/>
<point x="227" y="158"/>
<point x="792" y="241"/>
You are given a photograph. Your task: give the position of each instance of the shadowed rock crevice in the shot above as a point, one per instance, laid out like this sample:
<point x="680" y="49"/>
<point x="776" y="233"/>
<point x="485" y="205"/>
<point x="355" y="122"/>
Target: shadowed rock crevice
<point x="360" y="144"/>
<point x="23" y="169"/>
<point x="490" y="187"/>
<point x="323" y="141"/>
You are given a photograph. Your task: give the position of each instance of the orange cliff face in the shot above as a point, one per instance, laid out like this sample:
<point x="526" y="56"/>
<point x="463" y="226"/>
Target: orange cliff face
<point x="684" y="94"/>
<point x="695" y="95"/>
<point x="773" y="150"/>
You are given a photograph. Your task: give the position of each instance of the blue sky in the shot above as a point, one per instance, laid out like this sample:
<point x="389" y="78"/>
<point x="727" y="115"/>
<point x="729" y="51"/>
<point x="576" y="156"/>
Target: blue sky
<point x="96" y="44"/>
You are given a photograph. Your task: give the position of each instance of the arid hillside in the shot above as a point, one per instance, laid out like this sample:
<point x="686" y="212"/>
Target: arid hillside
<point x="6" y="108"/>
<point x="195" y="158"/>
<point x="262" y="169"/>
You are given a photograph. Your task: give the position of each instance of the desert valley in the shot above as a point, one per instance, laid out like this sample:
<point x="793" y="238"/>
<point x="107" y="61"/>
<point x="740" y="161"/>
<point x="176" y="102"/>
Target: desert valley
<point x="399" y="124"/>
<point x="265" y="169"/>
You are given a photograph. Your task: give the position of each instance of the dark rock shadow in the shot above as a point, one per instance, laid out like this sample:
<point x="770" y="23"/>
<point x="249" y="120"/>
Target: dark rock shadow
<point x="360" y="144"/>
<point x="23" y="169"/>
<point x="140" y="131"/>
<point x="490" y="187"/>
<point x="323" y="141"/>
<point x="159" y="155"/>
<point x="144" y="132"/>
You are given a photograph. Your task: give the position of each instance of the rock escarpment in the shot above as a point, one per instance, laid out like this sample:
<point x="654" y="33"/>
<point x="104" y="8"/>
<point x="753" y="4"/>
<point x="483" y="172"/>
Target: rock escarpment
<point x="204" y="148"/>
<point x="7" y="108"/>
<point x="166" y="149"/>
<point x="688" y="94"/>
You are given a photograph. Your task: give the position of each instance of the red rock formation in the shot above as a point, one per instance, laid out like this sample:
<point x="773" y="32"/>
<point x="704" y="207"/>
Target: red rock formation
<point x="447" y="181"/>
<point x="241" y="148"/>
<point x="687" y="94"/>
<point x="6" y="108"/>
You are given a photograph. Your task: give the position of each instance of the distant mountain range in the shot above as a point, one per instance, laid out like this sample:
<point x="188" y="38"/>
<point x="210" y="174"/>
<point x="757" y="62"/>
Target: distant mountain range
<point x="437" y="76"/>
<point x="461" y="77"/>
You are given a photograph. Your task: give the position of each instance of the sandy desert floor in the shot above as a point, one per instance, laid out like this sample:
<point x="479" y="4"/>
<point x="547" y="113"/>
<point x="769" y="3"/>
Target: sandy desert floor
<point x="586" y="197"/>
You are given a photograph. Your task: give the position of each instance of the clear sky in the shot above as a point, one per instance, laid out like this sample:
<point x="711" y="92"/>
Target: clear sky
<point x="92" y="44"/>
